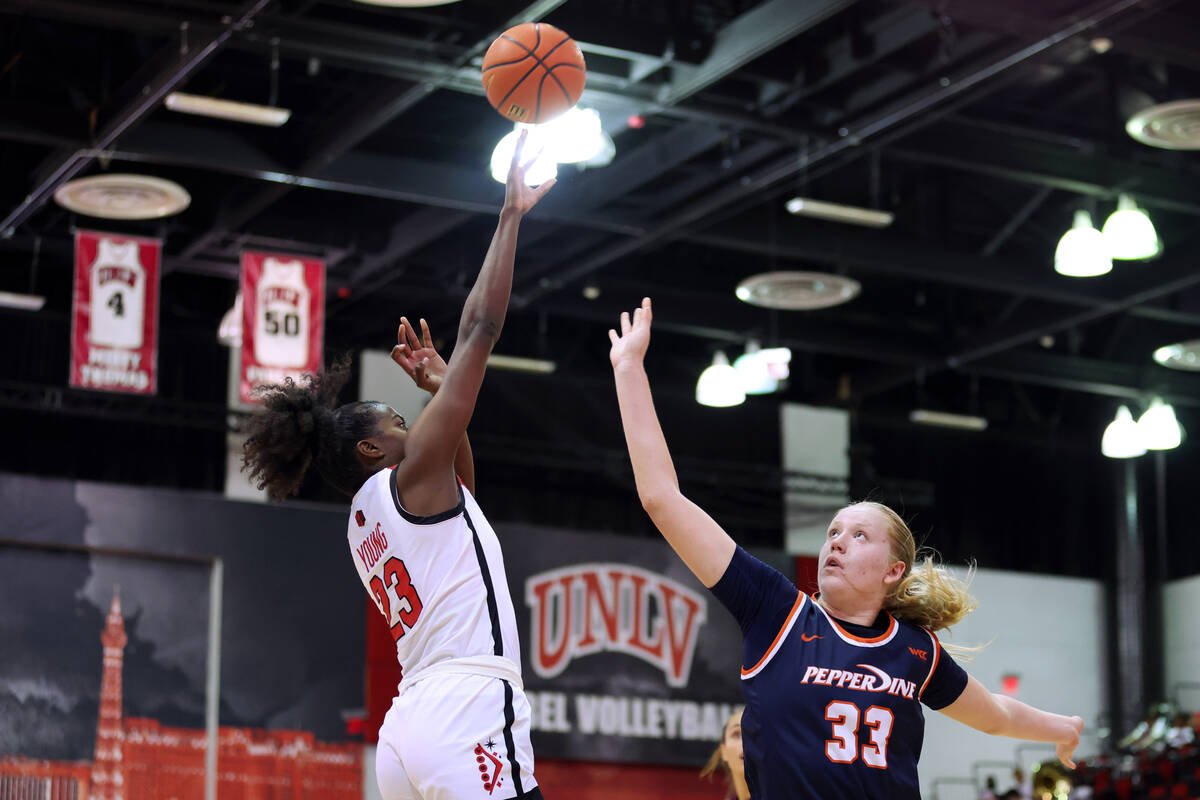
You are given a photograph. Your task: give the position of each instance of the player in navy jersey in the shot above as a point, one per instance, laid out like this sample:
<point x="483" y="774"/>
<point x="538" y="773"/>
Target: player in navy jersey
<point x="834" y="683"/>
<point x="459" y="724"/>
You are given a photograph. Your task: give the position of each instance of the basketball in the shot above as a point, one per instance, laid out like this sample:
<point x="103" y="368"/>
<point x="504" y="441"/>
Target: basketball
<point x="533" y="72"/>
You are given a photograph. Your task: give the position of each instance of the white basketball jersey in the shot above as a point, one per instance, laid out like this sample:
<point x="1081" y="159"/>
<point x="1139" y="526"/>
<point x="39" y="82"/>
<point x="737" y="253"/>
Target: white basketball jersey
<point x="281" y="326"/>
<point x="118" y="288"/>
<point x="439" y="581"/>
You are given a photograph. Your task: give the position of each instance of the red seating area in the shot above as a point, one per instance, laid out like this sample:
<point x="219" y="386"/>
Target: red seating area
<point x="1174" y="775"/>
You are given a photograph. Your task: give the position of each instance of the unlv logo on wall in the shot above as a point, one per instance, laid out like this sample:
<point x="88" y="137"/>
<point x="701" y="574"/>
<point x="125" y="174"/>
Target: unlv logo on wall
<point x="591" y="608"/>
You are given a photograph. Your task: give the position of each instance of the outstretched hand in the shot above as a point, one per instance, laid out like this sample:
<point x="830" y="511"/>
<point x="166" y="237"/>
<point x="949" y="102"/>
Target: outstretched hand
<point x="629" y="347"/>
<point x="1066" y="750"/>
<point x="417" y="357"/>
<point x="517" y="196"/>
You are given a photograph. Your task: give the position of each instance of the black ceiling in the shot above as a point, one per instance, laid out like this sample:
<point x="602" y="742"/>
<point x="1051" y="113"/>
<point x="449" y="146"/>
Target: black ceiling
<point x="982" y="125"/>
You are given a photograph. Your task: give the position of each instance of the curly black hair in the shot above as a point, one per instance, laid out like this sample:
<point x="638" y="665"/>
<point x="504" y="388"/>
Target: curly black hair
<point x="299" y="427"/>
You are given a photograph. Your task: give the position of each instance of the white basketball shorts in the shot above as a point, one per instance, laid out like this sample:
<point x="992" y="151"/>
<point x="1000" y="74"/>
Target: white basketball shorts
<point x="456" y="737"/>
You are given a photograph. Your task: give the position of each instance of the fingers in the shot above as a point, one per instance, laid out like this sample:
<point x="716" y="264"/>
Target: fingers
<point x="626" y="326"/>
<point x="426" y="338"/>
<point x="541" y="190"/>
<point x="649" y="313"/>
<point x="612" y="336"/>
<point x="516" y="159"/>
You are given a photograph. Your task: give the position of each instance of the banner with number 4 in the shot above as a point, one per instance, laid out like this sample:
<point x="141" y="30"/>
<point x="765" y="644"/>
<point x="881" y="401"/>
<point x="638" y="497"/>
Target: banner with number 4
<point x="283" y="318"/>
<point x="114" y="319"/>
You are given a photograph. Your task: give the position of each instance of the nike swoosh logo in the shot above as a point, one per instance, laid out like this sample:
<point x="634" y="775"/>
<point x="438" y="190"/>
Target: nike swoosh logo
<point x="806" y="638"/>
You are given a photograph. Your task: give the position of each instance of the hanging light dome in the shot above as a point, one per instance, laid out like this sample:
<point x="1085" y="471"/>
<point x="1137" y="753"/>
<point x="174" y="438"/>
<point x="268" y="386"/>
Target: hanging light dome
<point x="1158" y="428"/>
<point x="719" y="386"/>
<point x="1129" y="233"/>
<point x="1121" y="438"/>
<point x="1082" y="251"/>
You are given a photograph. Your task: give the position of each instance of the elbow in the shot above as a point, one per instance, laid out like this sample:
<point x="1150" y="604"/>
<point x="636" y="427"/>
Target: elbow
<point x="655" y="502"/>
<point x="481" y="327"/>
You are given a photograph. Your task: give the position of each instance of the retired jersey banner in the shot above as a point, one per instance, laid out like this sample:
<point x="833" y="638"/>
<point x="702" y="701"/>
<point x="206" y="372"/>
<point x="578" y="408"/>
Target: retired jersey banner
<point x="283" y="318"/>
<point x="114" y="323"/>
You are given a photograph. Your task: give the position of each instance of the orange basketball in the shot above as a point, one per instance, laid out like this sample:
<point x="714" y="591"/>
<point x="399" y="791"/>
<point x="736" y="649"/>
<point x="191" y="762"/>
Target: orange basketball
<point x="533" y="72"/>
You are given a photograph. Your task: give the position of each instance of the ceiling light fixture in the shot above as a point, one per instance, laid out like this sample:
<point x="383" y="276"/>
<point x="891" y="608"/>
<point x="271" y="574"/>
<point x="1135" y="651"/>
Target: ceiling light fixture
<point x="1158" y="427"/>
<point x="23" y="302"/>
<point x="719" y="386"/>
<point x="540" y="171"/>
<point x="836" y="212"/>
<point x="123" y="196"/>
<point x="1182" y="355"/>
<point x="1121" y="438"/>
<point x="407" y="3"/>
<point x="760" y="370"/>
<point x="797" y="291"/>
<point x="943" y="419"/>
<point x="538" y="366"/>
<point x="204" y="106"/>
<point x="1129" y="233"/>
<point x="1082" y="251"/>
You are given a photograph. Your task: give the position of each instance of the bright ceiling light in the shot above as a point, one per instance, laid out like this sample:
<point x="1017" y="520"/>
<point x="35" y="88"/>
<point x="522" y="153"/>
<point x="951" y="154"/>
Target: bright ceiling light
<point x="1082" y="251"/>
<point x="718" y="385"/>
<point x="575" y="137"/>
<point x="752" y="371"/>
<point x="1129" y="232"/>
<point x="1121" y="438"/>
<point x="1181" y="355"/>
<point x="572" y="137"/>
<point x="542" y="170"/>
<point x="759" y="370"/>
<point x="24" y="302"/>
<point x="1158" y="428"/>
<point x="836" y="212"/>
<point x="943" y="419"/>
<point x="252" y="113"/>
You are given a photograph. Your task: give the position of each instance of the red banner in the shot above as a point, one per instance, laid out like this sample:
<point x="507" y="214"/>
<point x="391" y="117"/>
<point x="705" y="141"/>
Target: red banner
<point x="114" y="325"/>
<point x="283" y="318"/>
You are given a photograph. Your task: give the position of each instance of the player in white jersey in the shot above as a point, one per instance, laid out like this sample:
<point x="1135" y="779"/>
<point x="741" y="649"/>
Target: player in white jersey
<point x="459" y="726"/>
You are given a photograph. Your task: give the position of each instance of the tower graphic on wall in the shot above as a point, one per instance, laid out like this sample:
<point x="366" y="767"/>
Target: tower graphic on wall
<point x="108" y="779"/>
<point x="139" y="759"/>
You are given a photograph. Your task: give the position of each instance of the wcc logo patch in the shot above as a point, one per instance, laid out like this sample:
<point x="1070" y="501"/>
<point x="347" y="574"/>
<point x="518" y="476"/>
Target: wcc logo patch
<point x="921" y="654"/>
<point x="489" y="765"/>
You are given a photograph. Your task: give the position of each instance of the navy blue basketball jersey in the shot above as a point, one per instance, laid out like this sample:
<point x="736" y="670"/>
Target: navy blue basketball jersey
<point x="829" y="713"/>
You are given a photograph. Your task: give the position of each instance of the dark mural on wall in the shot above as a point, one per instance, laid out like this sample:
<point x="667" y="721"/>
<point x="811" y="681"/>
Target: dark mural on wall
<point x="292" y="638"/>
<point x="626" y="657"/>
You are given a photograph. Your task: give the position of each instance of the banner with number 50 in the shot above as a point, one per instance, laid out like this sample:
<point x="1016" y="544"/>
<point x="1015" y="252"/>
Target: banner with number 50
<point x="283" y="318"/>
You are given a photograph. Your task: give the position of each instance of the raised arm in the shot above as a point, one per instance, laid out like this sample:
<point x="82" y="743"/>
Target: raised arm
<point x="425" y="477"/>
<point x="421" y="361"/>
<point x="1000" y="715"/>
<point x="702" y="544"/>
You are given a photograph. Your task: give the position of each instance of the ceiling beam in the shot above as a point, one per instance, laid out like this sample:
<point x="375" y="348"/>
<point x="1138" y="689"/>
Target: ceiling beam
<point x="1081" y="169"/>
<point x="886" y="34"/>
<point x="747" y="37"/>
<point x="910" y="109"/>
<point x="176" y="68"/>
<point x="343" y="134"/>
<point x="1175" y="273"/>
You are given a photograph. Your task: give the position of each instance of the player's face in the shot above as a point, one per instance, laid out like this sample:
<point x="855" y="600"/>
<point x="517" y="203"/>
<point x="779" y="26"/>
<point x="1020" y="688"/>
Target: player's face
<point x="731" y="745"/>
<point x="856" y="562"/>
<point x="391" y="432"/>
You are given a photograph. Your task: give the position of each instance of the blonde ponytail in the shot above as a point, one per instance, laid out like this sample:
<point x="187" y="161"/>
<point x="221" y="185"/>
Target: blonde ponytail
<point x="930" y="596"/>
<point x="927" y="594"/>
